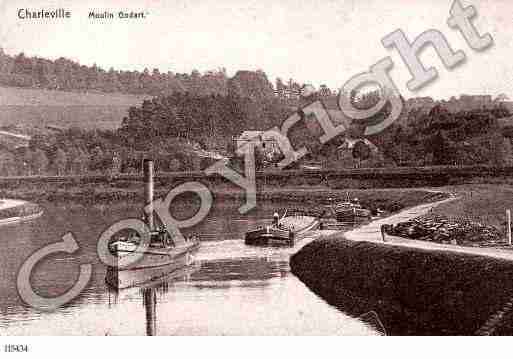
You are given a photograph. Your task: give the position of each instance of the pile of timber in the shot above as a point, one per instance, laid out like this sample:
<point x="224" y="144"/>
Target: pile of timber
<point x="442" y="229"/>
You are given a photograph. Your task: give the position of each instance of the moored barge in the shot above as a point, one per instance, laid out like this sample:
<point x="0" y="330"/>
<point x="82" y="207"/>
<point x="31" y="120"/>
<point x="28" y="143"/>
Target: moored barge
<point x="283" y="232"/>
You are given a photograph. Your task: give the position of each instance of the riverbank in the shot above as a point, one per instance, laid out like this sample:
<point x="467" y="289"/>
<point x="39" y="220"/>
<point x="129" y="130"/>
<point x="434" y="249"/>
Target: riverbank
<point x="391" y="200"/>
<point x="10" y="203"/>
<point x="416" y="287"/>
<point x="413" y="291"/>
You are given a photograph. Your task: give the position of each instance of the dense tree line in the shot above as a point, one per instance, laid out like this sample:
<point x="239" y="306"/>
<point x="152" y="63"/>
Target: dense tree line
<point x="171" y="129"/>
<point x="212" y="120"/>
<point x="79" y="152"/>
<point x="64" y="74"/>
<point x="205" y="111"/>
<point x="440" y="137"/>
<point x="436" y="138"/>
<point x="67" y="75"/>
<point x="419" y="137"/>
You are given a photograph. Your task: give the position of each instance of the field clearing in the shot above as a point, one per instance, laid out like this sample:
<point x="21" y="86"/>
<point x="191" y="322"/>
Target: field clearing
<point x="40" y="108"/>
<point x="485" y="203"/>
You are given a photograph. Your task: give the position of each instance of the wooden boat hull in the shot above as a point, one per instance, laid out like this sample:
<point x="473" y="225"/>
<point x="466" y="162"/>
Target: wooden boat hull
<point x="351" y="214"/>
<point x="345" y="215"/>
<point x="273" y="236"/>
<point x="155" y="263"/>
<point x="262" y="237"/>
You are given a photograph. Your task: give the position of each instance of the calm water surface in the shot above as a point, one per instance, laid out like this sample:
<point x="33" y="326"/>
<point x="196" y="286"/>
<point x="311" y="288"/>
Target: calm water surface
<point x="233" y="289"/>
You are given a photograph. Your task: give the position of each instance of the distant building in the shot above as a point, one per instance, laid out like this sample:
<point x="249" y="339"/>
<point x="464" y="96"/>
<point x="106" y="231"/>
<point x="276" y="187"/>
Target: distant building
<point x="211" y="154"/>
<point x="261" y="139"/>
<point x="345" y="158"/>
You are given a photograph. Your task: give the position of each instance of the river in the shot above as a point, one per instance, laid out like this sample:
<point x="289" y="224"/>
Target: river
<point x="233" y="289"/>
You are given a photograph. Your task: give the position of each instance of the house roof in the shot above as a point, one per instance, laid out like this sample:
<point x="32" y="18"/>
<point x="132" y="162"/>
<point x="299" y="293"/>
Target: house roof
<point x="210" y="154"/>
<point x="248" y="135"/>
<point x="350" y="142"/>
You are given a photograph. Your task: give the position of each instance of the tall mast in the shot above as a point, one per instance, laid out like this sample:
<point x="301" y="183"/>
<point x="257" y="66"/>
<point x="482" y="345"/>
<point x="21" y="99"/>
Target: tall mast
<point x="148" y="192"/>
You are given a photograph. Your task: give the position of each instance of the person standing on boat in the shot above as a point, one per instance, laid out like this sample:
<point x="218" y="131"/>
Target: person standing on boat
<point x="276" y="218"/>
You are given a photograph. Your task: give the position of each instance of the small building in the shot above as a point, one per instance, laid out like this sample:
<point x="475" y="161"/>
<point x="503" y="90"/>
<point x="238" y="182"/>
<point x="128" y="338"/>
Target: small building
<point x="261" y="139"/>
<point x="345" y="155"/>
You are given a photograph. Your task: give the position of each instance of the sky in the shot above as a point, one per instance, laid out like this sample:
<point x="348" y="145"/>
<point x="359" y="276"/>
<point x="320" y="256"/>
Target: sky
<point x="311" y="41"/>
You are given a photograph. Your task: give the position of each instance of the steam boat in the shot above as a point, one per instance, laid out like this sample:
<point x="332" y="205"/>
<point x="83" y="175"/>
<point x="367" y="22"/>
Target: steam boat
<point x="136" y="263"/>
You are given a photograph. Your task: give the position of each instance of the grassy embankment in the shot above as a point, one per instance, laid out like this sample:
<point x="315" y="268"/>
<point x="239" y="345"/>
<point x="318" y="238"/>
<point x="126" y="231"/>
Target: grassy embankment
<point x="477" y="218"/>
<point x="486" y="203"/>
<point x="418" y="291"/>
<point x="309" y="196"/>
<point x="413" y="291"/>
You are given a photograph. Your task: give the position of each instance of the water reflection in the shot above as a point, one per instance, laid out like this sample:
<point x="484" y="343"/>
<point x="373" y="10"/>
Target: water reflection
<point x="234" y="289"/>
<point x="150" y="303"/>
<point x="153" y="289"/>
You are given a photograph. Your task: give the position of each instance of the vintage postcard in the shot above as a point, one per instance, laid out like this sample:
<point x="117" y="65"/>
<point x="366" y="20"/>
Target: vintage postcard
<point x="255" y="168"/>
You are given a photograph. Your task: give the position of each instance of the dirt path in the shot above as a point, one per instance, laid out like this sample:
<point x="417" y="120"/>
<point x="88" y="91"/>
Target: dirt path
<point x="372" y="233"/>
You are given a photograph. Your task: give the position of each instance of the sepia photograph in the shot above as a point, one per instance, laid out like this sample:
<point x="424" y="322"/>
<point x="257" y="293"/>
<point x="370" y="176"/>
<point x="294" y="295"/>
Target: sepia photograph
<point x="255" y="168"/>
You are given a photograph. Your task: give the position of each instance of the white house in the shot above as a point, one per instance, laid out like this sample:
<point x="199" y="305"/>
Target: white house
<point x="261" y="139"/>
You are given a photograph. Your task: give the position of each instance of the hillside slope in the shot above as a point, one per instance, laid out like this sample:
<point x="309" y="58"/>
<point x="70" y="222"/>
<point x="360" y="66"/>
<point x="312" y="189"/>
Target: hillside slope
<point x="40" y="108"/>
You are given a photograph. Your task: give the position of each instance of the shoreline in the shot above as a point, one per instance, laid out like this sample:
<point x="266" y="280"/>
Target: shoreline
<point x="16" y="220"/>
<point x="13" y="211"/>
<point x="416" y="287"/>
<point x="403" y="197"/>
<point x="6" y="203"/>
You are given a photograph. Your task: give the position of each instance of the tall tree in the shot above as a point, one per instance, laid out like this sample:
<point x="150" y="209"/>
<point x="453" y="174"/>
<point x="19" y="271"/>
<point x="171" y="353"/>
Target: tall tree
<point x="250" y="84"/>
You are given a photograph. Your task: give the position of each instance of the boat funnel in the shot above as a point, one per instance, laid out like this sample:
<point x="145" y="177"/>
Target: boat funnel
<point x="148" y="192"/>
